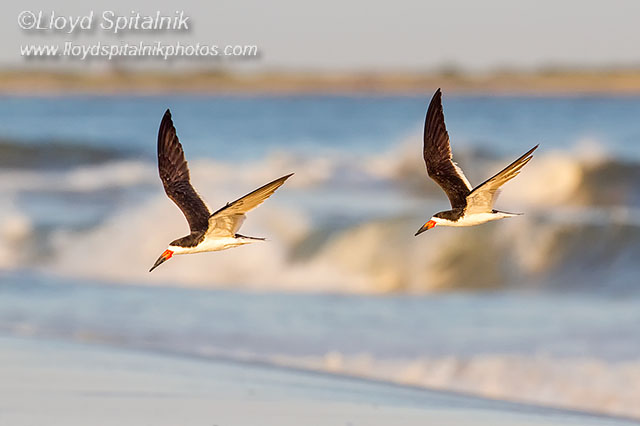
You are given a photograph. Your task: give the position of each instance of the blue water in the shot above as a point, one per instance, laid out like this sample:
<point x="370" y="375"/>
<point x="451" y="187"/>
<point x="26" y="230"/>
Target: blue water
<point x="357" y="161"/>
<point x="236" y="128"/>
<point x="342" y="277"/>
<point x="392" y="327"/>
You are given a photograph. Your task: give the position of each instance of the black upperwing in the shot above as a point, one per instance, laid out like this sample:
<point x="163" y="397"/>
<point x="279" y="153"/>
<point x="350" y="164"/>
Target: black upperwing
<point x="438" y="158"/>
<point x="174" y="173"/>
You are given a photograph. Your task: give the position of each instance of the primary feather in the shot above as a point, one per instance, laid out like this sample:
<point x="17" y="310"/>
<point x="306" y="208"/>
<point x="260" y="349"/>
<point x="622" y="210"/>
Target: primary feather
<point x="438" y="157"/>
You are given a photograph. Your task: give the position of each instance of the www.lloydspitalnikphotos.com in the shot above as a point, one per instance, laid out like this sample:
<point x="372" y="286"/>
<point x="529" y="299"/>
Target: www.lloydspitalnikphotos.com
<point x="107" y="21"/>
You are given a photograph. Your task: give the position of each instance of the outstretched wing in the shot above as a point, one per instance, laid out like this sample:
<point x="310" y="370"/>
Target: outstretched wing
<point x="228" y="219"/>
<point x="438" y="158"/>
<point x="174" y="174"/>
<point x="481" y="199"/>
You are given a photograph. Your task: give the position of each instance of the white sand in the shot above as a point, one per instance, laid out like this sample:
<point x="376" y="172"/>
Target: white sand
<point x="51" y="383"/>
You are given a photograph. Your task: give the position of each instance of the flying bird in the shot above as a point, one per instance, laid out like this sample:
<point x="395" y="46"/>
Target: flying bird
<point x="209" y="231"/>
<point x="468" y="206"/>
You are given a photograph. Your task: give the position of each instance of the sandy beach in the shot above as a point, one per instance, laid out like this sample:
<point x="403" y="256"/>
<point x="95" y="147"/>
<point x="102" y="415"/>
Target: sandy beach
<point x="48" y="382"/>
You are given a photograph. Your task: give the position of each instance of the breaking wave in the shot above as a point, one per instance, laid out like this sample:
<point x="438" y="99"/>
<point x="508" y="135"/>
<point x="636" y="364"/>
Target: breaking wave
<point x="582" y="226"/>
<point x="478" y="344"/>
<point x="52" y="155"/>
<point x="590" y="385"/>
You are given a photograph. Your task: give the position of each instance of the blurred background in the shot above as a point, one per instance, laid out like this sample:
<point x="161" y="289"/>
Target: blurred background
<point x="543" y="308"/>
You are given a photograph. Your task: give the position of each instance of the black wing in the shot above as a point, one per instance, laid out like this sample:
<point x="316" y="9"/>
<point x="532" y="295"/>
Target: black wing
<point x="438" y="158"/>
<point x="174" y="174"/>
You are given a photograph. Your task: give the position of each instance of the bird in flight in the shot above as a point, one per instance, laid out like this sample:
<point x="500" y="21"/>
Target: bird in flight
<point x="209" y="231"/>
<point x="468" y="206"/>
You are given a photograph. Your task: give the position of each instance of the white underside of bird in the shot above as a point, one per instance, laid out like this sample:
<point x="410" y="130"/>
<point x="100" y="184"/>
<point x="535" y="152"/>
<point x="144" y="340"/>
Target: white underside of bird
<point x="473" y="219"/>
<point x="213" y="244"/>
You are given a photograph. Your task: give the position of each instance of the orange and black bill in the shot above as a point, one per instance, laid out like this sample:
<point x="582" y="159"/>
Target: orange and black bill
<point x="163" y="258"/>
<point x="425" y="227"/>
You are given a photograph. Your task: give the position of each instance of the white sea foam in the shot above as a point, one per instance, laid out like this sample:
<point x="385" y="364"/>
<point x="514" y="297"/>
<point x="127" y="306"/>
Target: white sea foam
<point x="552" y="177"/>
<point x="79" y="179"/>
<point x="15" y="229"/>
<point x="377" y="256"/>
<point x="577" y="383"/>
<point x="373" y="256"/>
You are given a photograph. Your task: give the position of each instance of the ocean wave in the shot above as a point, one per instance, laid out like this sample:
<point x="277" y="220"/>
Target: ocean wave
<point x="579" y="176"/>
<point x="52" y="155"/>
<point x="16" y="229"/>
<point x="377" y="256"/>
<point x="520" y="347"/>
<point x="582" y="175"/>
<point x="582" y="383"/>
<point x="569" y="228"/>
<point x="117" y="174"/>
<point x="585" y="384"/>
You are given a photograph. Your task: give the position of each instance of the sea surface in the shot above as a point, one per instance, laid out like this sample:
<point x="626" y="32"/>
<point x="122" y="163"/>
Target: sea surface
<point x="541" y="308"/>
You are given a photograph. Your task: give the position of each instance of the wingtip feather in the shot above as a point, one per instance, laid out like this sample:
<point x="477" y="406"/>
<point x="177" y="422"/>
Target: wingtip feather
<point x="282" y="180"/>
<point x="530" y="152"/>
<point x="166" y="121"/>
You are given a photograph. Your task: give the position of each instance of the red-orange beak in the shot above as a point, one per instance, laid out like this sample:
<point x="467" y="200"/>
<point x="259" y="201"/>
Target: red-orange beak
<point x="426" y="227"/>
<point x="163" y="258"/>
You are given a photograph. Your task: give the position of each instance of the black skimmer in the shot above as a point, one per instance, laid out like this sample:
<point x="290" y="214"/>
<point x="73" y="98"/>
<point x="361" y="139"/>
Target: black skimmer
<point x="209" y="232"/>
<point x="468" y="206"/>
